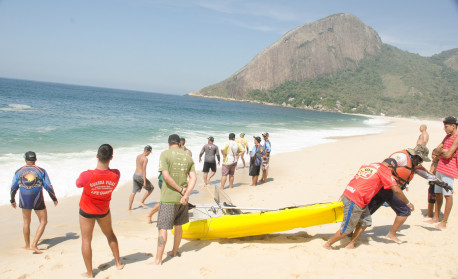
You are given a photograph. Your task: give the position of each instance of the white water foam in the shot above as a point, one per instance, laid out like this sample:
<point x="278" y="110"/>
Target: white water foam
<point x="16" y="107"/>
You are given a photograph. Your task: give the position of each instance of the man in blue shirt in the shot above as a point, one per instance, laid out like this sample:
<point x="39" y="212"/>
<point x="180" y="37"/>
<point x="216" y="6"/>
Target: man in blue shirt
<point x="30" y="181"/>
<point x="265" y="157"/>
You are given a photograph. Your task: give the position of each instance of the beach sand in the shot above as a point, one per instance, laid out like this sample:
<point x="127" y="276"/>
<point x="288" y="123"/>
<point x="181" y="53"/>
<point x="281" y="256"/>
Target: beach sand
<point x="312" y="175"/>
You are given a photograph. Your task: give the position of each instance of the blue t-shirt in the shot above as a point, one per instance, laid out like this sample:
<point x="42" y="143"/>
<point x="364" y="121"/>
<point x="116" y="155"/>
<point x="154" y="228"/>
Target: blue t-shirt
<point x="267" y="147"/>
<point x="30" y="181"/>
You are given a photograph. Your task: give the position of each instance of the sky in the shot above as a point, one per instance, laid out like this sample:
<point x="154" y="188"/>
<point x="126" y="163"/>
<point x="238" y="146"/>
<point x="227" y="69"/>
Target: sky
<point x="177" y="47"/>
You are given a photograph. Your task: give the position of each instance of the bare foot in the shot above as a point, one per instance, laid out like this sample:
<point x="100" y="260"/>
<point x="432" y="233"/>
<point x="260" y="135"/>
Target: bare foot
<point x="328" y="246"/>
<point x="432" y="221"/>
<point x="441" y="225"/>
<point x="155" y="262"/>
<point x="34" y="249"/>
<point x="253" y="185"/>
<point x="393" y="238"/>
<point x="87" y="275"/>
<point x="120" y="266"/>
<point x="142" y="205"/>
<point x="149" y="219"/>
<point x="350" y="246"/>
<point x="170" y="254"/>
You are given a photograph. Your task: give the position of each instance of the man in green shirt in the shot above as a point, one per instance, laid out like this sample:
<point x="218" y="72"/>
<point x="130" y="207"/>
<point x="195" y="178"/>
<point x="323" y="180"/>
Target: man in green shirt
<point x="176" y="165"/>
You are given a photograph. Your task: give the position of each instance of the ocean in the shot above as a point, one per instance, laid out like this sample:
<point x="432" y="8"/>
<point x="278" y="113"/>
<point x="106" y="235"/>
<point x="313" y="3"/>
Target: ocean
<point x="65" y="125"/>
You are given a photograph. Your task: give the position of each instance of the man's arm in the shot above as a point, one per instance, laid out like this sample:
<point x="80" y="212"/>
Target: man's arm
<point x="14" y="188"/>
<point x="191" y="184"/>
<point x="169" y="180"/>
<point x="48" y="187"/>
<point x="449" y="153"/>
<point x="398" y="192"/>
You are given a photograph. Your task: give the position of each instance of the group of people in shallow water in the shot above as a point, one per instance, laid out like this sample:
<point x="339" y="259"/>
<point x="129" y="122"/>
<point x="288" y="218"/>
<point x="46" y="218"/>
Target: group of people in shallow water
<point x="373" y="185"/>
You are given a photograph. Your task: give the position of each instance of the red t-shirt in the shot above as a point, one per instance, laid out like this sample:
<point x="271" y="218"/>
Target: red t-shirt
<point x="367" y="182"/>
<point x="449" y="166"/>
<point x="97" y="188"/>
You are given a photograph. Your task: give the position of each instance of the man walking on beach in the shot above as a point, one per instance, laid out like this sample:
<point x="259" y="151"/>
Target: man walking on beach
<point x="210" y="151"/>
<point x="30" y="181"/>
<point x="447" y="170"/>
<point x="139" y="180"/>
<point x="244" y="143"/>
<point x="265" y="157"/>
<point x="360" y="190"/>
<point x="176" y="165"/>
<point x="229" y="151"/>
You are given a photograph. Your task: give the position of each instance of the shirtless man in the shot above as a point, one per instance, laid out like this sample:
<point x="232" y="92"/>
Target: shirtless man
<point x="140" y="180"/>
<point x="424" y="136"/>
<point x="182" y="143"/>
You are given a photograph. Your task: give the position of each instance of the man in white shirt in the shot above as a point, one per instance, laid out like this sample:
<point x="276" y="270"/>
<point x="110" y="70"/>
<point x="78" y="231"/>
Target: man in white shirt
<point x="230" y="153"/>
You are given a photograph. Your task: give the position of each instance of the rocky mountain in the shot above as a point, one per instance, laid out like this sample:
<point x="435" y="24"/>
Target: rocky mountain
<point x="339" y="64"/>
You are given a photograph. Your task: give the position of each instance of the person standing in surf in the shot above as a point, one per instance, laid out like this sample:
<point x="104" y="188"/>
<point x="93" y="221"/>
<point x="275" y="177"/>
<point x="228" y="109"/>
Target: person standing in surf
<point x="98" y="185"/>
<point x="175" y="165"/>
<point x="30" y="181"/>
<point x="139" y="180"/>
<point x="211" y="150"/>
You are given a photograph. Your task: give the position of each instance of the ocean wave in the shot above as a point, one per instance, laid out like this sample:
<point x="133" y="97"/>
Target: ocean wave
<point x="16" y="107"/>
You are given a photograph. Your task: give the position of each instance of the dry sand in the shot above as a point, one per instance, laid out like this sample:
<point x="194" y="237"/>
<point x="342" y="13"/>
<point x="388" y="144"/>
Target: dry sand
<point x="312" y="175"/>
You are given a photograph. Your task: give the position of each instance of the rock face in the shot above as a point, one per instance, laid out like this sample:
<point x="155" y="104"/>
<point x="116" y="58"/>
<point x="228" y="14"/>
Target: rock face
<point x="306" y="52"/>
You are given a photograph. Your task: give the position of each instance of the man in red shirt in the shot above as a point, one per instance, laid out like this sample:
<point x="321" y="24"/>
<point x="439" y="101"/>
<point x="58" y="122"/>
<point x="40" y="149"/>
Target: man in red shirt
<point x="358" y="193"/>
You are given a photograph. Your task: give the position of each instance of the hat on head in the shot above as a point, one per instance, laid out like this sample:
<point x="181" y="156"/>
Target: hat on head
<point x="148" y="148"/>
<point x="174" y="139"/>
<point x="242" y="134"/>
<point x="257" y="138"/>
<point x="420" y="150"/>
<point x="212" y="139"/>
<point x="265" y="134"/>
<point x="30" y="156"/>
<point x="392" y="162"/>
<point x="450" y="120"/>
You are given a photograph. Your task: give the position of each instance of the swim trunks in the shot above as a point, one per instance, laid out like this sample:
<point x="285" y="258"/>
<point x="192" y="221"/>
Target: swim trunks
<point x="228" y="169"/>
<point x="387" y="195"/>
<point x="171" y="214"/>
<point x="353" y="216"/>
<point x="447" y="179"/>
<point x="138" y="184"/>
<point x="30" y="181"/>
<point x="265" y="163"/>
<point x="254" y="170"/>
<point x="90" y="216"/>
<point x="209" y="166"/>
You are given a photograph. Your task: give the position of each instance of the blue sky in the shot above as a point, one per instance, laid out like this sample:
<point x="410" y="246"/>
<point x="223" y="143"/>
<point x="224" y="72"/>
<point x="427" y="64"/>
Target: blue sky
<point x="181" y="46"/>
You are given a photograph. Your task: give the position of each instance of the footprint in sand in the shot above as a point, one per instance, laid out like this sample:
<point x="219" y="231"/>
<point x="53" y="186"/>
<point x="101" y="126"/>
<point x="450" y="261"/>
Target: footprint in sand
<point x="206" y="272"/>
<point x="47" y="257"/>
<point x="57" y="266"/>
<point x="23" y="276"/>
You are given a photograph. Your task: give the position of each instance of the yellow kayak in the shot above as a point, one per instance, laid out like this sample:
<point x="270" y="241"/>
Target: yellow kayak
<point x="248" y="224"/>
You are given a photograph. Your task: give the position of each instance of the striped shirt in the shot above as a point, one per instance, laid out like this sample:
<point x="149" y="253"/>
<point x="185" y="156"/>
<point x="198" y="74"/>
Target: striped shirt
<point x="449" y="166"/>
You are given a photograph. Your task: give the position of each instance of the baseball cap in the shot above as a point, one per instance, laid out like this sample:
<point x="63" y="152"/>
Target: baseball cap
<point x="258" y="138"/>
<point x="392" y="162"/>
<point x="421" y="151"/>
<point x="265" y="134"/>
<point x="242" y="134"/>
<point x="148" y="148"/>
<point x="212" y="139"/>
<point x="174" y="139"/>
<point x="30" y="156"/>
<point x="450" y="120"/>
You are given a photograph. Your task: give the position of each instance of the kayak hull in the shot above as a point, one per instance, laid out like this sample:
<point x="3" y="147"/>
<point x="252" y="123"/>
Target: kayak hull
<point x="258" y="223"/>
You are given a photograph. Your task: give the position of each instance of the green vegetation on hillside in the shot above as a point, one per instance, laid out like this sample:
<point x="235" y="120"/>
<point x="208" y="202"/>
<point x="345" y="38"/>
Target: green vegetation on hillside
<point x="394" y="83"/>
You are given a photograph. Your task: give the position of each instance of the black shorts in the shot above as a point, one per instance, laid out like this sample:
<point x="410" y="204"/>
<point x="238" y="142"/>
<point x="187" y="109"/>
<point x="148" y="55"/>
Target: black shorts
<point x="387" y="195"/>
<point x="208" y="166"/>
<point x="87" y="215"/>
<point x="254" y="170"/>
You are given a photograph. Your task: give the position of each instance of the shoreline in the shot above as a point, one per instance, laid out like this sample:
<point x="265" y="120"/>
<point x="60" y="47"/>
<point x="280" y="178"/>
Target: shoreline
<point x="311" y="175"/>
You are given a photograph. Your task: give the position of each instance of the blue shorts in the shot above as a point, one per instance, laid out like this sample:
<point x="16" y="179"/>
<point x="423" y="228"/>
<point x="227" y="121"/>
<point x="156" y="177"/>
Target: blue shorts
<point x="387" y="195"/>
<point x="353" y="216"/>
<point x="447" y="179"/>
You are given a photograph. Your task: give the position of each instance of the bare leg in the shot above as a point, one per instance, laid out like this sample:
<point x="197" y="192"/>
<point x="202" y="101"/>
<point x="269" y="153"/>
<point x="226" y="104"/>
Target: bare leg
<point x="210" y="177"/>
<point x="254" y="181"/>
<point x="242" y="155"/>
<point x="223" y="181"/>
<point x="231" y="181"/>
<point x="398" y="221"/>
<point x="27" y="217"/>
<point x="131" y="200"/>
<point x="447" y="210"/>
<point x="337" y="236"/>
<point x="176" y="242"/>
<point x="430" y="213"/>
<point x="358" y="231"/>
<point x="439" y="200"/>
<point x="107" y="229"/>
<point x="142" y="202"/>
<point x="43" y="218"/>
<point x="205" y="177"/>
<point x="161" y="241"/>
<point x="87" y="228"/>
<point x="151" y="213"/>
